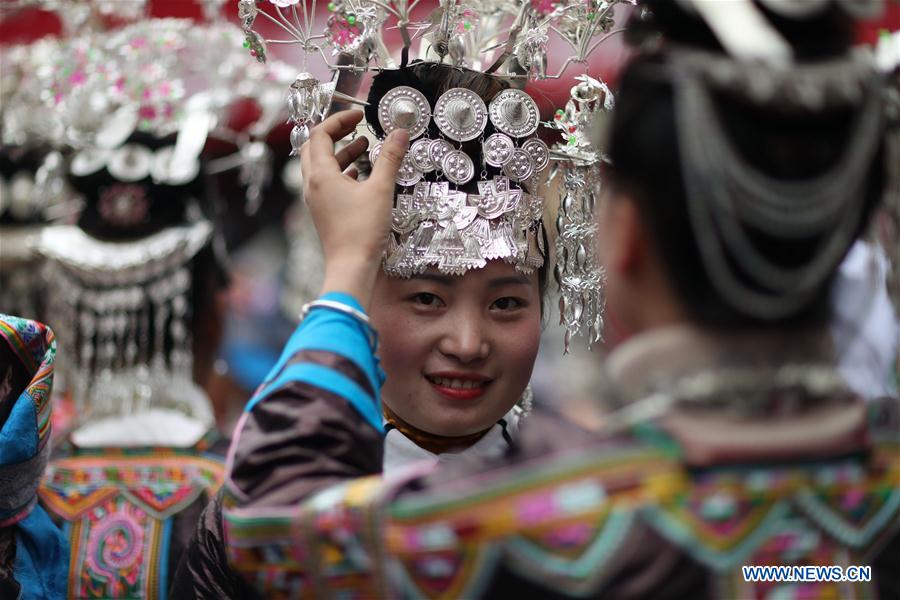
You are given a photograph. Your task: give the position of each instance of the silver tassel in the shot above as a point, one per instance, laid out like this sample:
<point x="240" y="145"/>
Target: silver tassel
<point x="578" y="272"/>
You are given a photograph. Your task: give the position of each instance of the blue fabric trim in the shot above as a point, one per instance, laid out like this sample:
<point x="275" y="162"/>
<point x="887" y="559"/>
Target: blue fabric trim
<point x="163" y="567"/>
<point x="335" y="332"/>
<point x="341" y="334"/>
<point x="42" y="557"/>
<point x="331" y="381"/>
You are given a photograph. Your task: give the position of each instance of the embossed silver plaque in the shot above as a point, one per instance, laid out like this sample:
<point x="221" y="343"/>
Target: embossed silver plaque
<point x="408" y="174"/>
<point x="421" y="158"/>
<point x="497" y="149"/>
<point x="438" y="150"/>
<point x="514" y="113"/>
<point x="374" y="151"/>
<point x="539" y="153"/>
<point x="519" y="167"/>
<point x="404" y="108"/>
<point x="460" y="114"/>
<point x="458" y="167"/>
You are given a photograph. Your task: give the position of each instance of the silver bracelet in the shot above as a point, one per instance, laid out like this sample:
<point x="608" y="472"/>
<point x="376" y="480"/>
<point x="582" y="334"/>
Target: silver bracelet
<point x="342" y="308"/>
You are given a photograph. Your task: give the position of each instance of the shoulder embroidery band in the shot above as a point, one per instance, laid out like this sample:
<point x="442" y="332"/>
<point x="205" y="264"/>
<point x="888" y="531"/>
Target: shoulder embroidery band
<point x="118" y="509"/>
<point x="562" y="526"/>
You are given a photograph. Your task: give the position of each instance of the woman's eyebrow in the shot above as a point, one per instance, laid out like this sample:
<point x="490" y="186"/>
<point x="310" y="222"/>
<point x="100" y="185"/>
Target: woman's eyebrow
<point x="434" y="277"/>
<point x="509" y="280"/>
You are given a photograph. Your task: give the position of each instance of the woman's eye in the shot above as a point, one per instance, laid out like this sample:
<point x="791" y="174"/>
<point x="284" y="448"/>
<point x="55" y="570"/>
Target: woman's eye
<point x="506" y="303"/>
<point x="426" y="299"/>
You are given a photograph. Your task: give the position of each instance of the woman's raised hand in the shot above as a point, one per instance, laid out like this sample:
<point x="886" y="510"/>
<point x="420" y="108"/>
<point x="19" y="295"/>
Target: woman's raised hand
<point x="353" y="218"/>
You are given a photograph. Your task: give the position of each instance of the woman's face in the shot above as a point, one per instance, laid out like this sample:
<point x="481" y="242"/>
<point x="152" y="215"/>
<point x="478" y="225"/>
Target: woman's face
<point x="458" y="351"/>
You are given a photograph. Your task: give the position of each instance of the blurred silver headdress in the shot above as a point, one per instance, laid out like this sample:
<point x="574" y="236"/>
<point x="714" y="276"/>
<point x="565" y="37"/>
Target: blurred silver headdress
<point x="133" y="109"/>
<point x="727" y="196"/>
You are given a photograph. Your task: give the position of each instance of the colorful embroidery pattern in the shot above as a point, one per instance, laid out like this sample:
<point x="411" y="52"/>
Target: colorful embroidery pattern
<point x="119" y="506"/>
<point x="27" y="429"/>
<point x="35" y="345"/>
<point x="116" y="552"/>
<point x="563" y="525"/>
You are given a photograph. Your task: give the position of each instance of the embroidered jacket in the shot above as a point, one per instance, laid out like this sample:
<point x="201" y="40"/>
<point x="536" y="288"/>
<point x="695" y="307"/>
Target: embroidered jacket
<point x="569" y="514"/>
<point x="128" y="513"/>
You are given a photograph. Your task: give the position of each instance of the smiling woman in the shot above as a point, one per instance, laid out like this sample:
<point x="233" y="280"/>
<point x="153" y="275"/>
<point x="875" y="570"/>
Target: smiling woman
<point x="448" y="290"/>
<point x="458" y="341"/>
<point x="458" y="353"/>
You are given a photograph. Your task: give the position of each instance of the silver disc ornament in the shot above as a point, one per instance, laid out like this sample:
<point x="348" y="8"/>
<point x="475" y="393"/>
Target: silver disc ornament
<point x="519" y="167"/>
<point x="539" y="153"/>
<point x="438" y="150"/>
<point x="497" y="149"/>
<point x="458" y="167"/>
<point x="514" y="113"/>
<point x="374" y="151"/>
<point x="460" y="114"/>
<point x="408" y="174"/>
<point x="404" y="108"/>
<point x="421" y="158"/>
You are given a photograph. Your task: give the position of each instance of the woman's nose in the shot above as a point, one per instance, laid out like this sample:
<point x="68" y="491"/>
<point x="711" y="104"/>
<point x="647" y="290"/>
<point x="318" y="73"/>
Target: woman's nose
<point x="466" y="339"/>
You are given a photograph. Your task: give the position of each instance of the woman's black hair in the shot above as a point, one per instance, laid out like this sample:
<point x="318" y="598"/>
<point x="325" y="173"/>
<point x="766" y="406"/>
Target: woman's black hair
<point x="647" y="163"/>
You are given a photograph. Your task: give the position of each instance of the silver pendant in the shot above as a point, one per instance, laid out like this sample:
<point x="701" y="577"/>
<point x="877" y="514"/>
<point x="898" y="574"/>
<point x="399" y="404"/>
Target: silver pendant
<point x="514" y="113"/>
<point x="89" y="161"/>
<point x="374" y="151"/>
<point x="539" y="153"/>
<point x="302" y="98"/>
<point x="408" y="174"/>
<point x="497" y="149"/>
<point x="167" y="171"/>
<point x="460" y="114"/>
<point x="247" y="11"/>
<point x="130" y="163"/>
<point x="438" y="150"/>
<point x="519" y="167"/>
<point x="496" y="198"/>
<point x="458" y="167"/>
<point x="421" y="158"/>
<point x="299" y="135"/>
<point x="404" y="108"/>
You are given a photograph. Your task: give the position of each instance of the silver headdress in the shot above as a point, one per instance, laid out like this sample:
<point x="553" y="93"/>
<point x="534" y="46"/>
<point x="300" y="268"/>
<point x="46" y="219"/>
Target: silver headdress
<point x="33" y="191"/>
<point x="578" y="272"/>
<point x="134" y="109"/>
<point x="435" y="223"/>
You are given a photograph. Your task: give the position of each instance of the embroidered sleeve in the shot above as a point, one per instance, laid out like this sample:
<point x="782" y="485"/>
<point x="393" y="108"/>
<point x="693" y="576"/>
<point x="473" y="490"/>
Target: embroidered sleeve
<point x="315" y="422"/>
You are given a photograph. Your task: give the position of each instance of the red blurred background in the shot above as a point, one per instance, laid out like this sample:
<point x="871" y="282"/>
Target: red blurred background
<point x="24" y="25"/>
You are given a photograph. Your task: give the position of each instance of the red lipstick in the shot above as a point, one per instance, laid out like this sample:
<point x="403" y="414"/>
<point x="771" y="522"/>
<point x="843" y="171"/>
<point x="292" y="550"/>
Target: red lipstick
<point x="456" y="393"/>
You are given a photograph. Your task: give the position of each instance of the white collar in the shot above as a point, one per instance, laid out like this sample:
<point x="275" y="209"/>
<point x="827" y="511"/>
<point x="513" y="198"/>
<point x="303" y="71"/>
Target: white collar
<point x="400" y="451"/>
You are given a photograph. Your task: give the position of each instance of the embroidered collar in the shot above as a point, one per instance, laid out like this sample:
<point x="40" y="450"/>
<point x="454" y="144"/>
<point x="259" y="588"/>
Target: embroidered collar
<point x="436" y="444"/>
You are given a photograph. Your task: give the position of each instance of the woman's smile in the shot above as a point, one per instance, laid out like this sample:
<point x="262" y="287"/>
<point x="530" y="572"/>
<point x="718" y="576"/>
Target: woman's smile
<point x="459" y="386"/>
